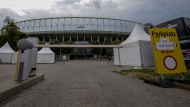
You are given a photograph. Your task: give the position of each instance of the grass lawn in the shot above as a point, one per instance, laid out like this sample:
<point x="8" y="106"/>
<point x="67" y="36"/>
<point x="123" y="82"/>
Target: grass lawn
<point x="148" y="73"/>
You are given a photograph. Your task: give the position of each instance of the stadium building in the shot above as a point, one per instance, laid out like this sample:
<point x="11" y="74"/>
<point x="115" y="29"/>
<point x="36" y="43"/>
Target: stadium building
<point x="80" y="30"/>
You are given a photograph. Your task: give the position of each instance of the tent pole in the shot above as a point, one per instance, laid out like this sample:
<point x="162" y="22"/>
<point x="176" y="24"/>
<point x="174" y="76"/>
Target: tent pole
<point x="119" y="58"/>
<point x="141" y="54"/>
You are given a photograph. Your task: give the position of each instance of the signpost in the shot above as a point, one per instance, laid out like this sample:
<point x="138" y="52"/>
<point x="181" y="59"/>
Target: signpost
<point x="167" y="55"/>
<point x="167" y="51"/>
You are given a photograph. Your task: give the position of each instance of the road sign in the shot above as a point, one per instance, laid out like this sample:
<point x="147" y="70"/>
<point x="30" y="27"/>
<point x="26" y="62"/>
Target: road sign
<point x="167" y="51"/>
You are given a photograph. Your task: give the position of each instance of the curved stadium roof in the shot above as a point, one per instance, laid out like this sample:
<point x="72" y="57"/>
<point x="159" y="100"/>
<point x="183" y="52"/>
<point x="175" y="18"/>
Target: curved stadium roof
<point x="77" y="24"/>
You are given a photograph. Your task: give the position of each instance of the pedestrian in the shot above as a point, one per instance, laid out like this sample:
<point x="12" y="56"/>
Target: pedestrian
<point x="64" y="59"/>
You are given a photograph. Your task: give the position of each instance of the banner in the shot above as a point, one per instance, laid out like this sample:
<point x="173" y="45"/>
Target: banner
<point x="167" y="51"/>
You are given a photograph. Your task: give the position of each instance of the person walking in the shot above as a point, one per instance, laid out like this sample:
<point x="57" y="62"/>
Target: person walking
<point x="64" y="59"/>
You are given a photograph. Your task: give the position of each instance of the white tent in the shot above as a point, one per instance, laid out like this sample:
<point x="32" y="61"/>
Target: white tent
<point x="6" y="53"/>
<point x="14" y="57"/>
<point x="46" y="55"/>
<point x="136" y="51"/>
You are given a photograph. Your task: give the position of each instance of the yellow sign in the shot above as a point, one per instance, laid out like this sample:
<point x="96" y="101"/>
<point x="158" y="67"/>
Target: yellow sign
<point x="167" y="51"/>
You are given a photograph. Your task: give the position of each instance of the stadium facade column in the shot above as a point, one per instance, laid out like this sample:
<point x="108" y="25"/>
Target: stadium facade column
<point x="111" y="38"/>
<point x="70" y="37"/>
<point x="98" y="38"/>
<point x="43" y="39"/>
<point x="84" y="37"/>
<point x="77" y="37"/>
<point x="91" y="38"/>
<point x="56" y="37"/>
<point x="63" y="38"/>
<point x="122" y="39"/>
<point x="49" y="38"/>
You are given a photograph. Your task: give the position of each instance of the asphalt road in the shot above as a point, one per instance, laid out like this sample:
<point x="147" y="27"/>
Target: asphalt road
<point x="91" y="84"/>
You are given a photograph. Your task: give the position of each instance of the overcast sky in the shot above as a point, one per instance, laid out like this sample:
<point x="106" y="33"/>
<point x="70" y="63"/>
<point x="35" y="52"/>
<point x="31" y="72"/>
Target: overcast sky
<point x="143" y="11"/>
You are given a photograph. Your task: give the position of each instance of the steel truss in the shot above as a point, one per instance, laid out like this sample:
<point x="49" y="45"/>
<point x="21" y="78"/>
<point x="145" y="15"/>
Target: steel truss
<point x="77" y="28"/>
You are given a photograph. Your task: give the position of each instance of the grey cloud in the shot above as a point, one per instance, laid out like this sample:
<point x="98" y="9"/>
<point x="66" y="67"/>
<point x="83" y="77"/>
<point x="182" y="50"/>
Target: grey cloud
<point x="112" y="3"/>
<point x="137" y="10"/>
<point x="64" y="4"/>
<point x="154" y="11"/>
<point x="36" y="14"/>
<point x="102" y="4"/>
<point x="67" y="2"/>
<point x="7" y="12"/>
<point x="97" y="3"/>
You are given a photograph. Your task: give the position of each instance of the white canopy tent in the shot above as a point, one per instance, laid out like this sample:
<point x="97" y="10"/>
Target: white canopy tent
<point x="6" y="53"/>
<point x="136" y="51"/>
<point x="46" y="55"/>
<point x="14" y="57"/>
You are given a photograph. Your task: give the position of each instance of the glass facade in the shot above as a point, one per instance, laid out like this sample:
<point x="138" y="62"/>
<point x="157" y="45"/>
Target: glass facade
<point x="81" y="53"/>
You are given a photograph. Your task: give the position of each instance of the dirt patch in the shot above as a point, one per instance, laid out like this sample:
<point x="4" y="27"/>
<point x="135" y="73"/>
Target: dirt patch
<point x="139" y="75"/>
<point x="182" y="86"/>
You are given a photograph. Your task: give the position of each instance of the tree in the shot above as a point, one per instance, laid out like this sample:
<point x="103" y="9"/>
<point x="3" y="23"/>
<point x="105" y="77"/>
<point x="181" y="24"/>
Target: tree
<point x="11" y="33"/>
<point x="68" y="50"/>
<point x="107" y="41"/>
<point x="3" y="40"/>
<point x="107" y="51"/>
<point x="56" y="50"/>
<point x="147" y="27"/>
<point x="95" y="50"/>
<point x="116" y="42"/>
<point x="41" y="42"/>
<point x="54" y="41"/>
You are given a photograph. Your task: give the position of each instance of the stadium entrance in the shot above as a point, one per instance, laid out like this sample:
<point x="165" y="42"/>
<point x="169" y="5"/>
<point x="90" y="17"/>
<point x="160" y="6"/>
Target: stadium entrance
<point x="84" y="49"/>
<point x="81" y="57"/>
<point x="81" y="53"/>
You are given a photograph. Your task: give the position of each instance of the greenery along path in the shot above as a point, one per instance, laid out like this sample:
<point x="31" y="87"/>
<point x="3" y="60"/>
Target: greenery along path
<point x="148" y="73"/>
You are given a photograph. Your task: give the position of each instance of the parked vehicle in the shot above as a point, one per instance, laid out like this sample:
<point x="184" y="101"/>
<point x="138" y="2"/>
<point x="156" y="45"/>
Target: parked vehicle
<point x="186" y="54"/>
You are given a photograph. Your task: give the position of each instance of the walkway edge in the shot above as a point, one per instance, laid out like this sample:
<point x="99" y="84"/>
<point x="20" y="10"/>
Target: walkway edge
<point x="10" y="87"/>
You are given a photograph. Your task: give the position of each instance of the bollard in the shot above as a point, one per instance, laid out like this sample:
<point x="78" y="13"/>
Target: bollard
<point x="34" y="40"/>
<point x="21" y="67"/>
<point x="22" y="45"/>
<point x="27" y="63"/>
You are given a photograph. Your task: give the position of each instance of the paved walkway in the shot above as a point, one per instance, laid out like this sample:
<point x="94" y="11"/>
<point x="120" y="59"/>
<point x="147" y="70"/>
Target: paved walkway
<point x="92" y="84"/>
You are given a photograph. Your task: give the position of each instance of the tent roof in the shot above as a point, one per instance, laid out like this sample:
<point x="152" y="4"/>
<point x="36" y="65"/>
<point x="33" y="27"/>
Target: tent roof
<point x="6" y="48"/>
<point x="136" y="35"/>
<point x="45" y="50"/>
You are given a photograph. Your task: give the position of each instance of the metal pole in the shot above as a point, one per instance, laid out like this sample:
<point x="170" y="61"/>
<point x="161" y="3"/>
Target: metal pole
<point x="182" y="76"/>
<point x="63" y="38"/>
<point x="162" y="76"/>
<point x="119" y="58"/>
<point x="141" y="54"/>
<point x="156" y="77"/>
<point x="106" y="57"/>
